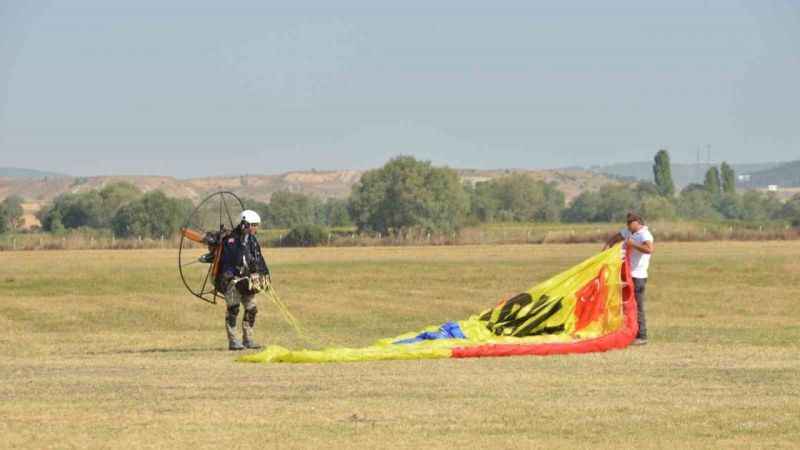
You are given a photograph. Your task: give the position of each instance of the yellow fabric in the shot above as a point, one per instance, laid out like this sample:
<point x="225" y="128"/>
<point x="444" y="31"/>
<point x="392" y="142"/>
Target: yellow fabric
<point x="425" y="350"/>
<point x="550" y="305"/>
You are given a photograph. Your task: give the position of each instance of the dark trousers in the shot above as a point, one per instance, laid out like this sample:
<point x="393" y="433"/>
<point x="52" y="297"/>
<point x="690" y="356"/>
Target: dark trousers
<point x="639" y="285"/>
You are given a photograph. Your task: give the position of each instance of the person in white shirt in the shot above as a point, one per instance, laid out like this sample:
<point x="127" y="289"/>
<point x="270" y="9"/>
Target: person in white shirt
<point x="638" y="236"/>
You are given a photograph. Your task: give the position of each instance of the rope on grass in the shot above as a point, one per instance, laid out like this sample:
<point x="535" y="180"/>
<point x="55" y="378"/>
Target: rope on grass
<point x="288" y="317"/>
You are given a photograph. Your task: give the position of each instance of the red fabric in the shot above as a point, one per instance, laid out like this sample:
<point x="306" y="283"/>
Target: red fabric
<point x="616" y="340"/>
<point x="591" y="300"/>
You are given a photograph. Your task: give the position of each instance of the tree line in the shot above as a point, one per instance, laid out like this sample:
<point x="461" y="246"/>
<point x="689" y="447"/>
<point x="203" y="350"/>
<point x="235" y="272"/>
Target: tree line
<point x="714" y="199"/>
<point x="407" y="194"/>
<point x="119" y="207"/>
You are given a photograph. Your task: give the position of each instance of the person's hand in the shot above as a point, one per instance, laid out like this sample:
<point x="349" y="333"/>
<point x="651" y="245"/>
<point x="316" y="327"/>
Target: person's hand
<point x="629" y="243"/>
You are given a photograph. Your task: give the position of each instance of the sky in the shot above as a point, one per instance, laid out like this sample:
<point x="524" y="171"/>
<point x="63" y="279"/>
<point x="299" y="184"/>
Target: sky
<point x="200" y="88"/>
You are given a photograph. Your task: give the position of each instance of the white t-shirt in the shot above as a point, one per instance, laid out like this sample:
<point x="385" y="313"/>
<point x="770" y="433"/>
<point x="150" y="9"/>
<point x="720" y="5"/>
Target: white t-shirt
<point x="639" y="261"/>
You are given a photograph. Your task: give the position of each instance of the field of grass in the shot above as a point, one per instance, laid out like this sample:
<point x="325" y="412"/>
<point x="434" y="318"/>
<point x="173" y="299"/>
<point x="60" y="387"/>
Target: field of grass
<point x="105" y="349"/>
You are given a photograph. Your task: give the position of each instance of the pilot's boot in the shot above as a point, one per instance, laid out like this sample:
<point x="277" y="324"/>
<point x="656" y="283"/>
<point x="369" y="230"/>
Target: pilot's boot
<point x="248" y="323"/>
<point x="230" y="327"/>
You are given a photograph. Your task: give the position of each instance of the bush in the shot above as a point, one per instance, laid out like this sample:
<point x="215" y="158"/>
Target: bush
<point x="306" y="236"/>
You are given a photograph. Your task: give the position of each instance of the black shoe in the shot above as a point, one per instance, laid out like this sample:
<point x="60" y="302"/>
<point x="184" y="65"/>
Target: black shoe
<point x="252" y="345"/>
<point x="235" y="346"/>
<point x="639" y="341"/>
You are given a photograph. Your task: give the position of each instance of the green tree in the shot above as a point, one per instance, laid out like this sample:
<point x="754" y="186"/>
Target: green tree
<point x="335" y="213"/>
<point x="697" y="205"/>
<point x="516" y="197"/>
<point x="483" y="203"/>
<point x="56" y="225"/>
<point x="262" y="209"/>
<point x="711" y="182"/>
<point x="662" y="174"/>
<point x="759" y="206"/>
<point x="693" y="187"/>
<point x="5" y="219"/>
<point x="46" y="216"/>
<point x="610" y="203"/>
<point x="407" y="193"/>
<point x="290" y="209"/>
<point x="153" y="215"/>
<point x="583" y="208"/>
<point x="658" y="208"/>
<point x="13" y="210"/>
<point x="131" y="220"/>
<point x="728" y="178"/>
<point x="77" y="210"/>
<point x="728" y="205"/>
<point x="92" y="209"/>
<point x="791" y="211"/>
<point x="614" y="203"/>
<point x="524" y="199"/>
<point x="114" y="196"/>
<point x="646" y="189"/>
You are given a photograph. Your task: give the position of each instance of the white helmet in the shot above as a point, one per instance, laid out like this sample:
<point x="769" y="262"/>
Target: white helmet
<point x="250" y="217"/>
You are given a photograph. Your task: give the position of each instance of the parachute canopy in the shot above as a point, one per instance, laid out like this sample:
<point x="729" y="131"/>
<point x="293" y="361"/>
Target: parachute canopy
<point x="588" y="308"/>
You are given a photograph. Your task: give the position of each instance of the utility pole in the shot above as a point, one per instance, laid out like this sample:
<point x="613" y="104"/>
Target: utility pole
<point x="697" y="175"/>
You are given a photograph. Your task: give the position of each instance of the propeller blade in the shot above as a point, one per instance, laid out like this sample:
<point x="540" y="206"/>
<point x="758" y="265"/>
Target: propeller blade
<point x="193" y="235"/>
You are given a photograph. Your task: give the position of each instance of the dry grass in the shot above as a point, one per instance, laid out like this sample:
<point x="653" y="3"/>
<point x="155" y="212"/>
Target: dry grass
<point x="104" y="349"/>
<point x="485" y="234"/>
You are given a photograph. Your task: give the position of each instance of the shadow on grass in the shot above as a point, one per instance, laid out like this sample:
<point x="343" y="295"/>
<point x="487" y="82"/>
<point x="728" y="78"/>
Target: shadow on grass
<point x="162" y="350"/>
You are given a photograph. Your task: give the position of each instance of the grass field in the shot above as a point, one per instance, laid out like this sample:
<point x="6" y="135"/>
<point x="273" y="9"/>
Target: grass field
<point x="105" y="349"/>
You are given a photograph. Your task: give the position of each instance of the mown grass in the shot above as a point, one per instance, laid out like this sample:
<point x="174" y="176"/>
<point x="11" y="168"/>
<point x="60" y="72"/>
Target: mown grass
<point x="105" y="349"/>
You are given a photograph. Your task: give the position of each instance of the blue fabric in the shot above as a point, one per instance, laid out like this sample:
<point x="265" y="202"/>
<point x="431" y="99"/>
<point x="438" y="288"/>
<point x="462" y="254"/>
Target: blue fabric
<point x="449" y="330"/>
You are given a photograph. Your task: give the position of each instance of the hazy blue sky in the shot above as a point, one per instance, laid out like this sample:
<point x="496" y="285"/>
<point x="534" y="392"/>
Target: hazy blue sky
<point x="203" y="88"/>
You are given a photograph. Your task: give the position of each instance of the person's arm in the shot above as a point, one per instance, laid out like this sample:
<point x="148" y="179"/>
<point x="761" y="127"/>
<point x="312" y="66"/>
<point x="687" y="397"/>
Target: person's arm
<point x="613" y="241"/>
<point x="645" y="247"/>
<point x="262" y="262"/>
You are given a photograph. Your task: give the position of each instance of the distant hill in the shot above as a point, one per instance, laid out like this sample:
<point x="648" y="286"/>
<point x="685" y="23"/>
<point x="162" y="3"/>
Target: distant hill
<point x="259" y="187"/>
<point x="786" y="175"/>
<point x="682" y="174"/>
<point x="14" y="172"/>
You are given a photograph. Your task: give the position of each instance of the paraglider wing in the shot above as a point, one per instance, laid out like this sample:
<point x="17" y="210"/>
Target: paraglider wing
<point x="590" y="307"/>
